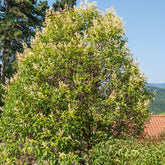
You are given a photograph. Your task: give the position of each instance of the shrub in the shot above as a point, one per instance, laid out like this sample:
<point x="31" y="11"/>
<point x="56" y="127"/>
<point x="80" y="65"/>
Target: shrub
<point x="75" y="87"/>
<point x="130" y="151"/>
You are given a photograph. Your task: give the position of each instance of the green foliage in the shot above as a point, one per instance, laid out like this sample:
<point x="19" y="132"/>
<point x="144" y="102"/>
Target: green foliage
<point x="128" y="152"/>
<point x="158" y="104"/>
<point x="76" y="86"/>
<point x="162" y="114"/>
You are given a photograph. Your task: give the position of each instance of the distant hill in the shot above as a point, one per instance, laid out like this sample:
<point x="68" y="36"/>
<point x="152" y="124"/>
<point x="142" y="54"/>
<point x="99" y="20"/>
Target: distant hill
<point x="158" y="105"/>
<point x="159" y="85"/>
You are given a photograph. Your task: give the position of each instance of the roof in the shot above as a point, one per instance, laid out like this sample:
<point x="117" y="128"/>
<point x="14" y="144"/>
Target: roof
<point x="156" y="127"/>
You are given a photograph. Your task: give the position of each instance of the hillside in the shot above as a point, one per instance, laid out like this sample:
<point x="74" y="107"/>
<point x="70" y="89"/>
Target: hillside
<point x="159" y="85"/>
<point x="158" y="105"/>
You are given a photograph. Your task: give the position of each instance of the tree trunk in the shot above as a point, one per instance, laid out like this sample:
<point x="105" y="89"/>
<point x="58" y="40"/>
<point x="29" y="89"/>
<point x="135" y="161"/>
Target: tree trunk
<point x="3" y="67"/>
<point x="7" y="4"/>
<point x="3" y="51"/>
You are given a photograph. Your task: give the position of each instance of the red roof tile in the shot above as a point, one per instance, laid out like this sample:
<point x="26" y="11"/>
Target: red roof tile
<point x="156" y="127"/>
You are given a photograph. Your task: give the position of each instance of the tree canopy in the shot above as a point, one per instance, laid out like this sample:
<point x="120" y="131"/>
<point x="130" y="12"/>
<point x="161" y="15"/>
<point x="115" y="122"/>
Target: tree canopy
<point x="76" y="86"/>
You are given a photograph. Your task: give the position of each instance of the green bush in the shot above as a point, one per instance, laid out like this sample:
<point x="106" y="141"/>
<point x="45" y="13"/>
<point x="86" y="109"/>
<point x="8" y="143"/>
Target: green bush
<point x="75" y="87"/>
<point x="128" y="152"/>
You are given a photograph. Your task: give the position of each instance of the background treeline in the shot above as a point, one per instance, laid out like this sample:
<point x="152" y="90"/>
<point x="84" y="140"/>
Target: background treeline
<point x="158" y="104"/>
<point x="159" y="85"/>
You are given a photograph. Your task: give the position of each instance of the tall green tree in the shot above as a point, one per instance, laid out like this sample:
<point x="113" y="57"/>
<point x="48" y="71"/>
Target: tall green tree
<point x="18" y="21"/>
<point x="61" y="4"/>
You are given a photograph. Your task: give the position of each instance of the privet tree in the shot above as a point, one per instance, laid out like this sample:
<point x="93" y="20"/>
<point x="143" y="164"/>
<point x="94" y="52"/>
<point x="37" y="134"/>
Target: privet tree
<point x="18" y="20"/>
<point x="76" y="86"/>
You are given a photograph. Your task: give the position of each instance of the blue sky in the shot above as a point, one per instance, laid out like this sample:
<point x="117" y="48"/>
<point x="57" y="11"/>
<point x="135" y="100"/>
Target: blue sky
<point x="145" y="28"/>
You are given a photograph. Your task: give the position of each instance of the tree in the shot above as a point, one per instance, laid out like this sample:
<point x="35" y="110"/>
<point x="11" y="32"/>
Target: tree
<point x="18" y="20"/>
<point x="75" y="87"/>
<point x="61" y="4"/>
